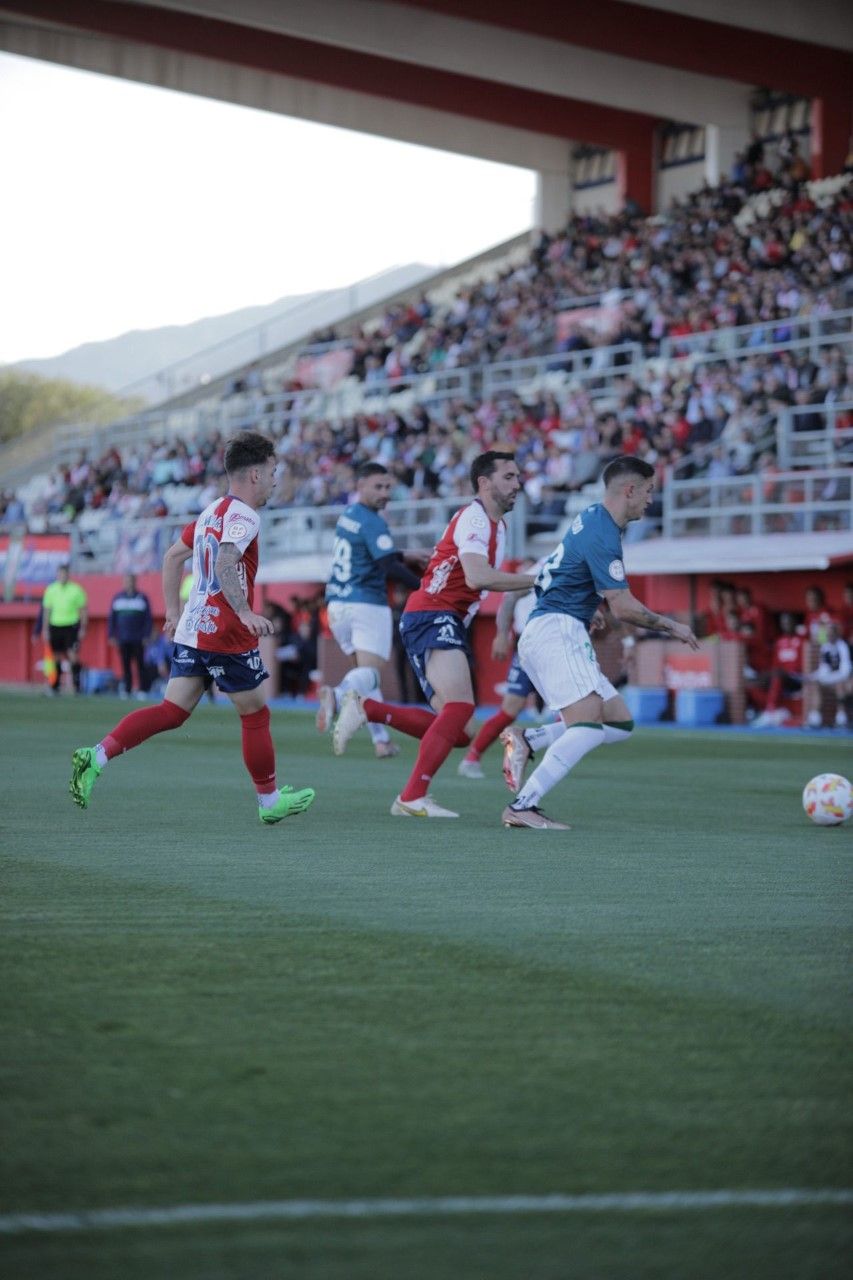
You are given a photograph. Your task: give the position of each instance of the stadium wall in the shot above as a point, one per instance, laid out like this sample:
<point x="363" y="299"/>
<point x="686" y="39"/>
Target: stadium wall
<point x="679" y="594"/>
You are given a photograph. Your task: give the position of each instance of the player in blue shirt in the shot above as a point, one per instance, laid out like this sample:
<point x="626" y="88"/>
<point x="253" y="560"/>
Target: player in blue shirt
<point x="555" y="647"/>
<point x="363" y="560"/>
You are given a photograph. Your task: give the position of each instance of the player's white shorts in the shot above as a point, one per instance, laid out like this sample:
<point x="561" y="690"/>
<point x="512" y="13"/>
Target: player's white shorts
<point x="557" y="653"/>
<point x="361" y="626"/>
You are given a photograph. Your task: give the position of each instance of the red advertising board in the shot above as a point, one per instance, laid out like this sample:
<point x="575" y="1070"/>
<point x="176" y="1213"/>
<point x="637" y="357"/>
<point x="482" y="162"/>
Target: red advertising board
<point x="29" y="563"/>
<point x="689" y="671"/>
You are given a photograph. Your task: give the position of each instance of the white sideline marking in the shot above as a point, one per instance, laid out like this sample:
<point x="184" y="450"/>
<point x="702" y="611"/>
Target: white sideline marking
<point x="440" y="1206"/>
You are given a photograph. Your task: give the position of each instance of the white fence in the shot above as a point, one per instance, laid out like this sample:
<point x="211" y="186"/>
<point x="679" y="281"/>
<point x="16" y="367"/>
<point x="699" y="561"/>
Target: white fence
<point x="817" y="501"/>
<point x="811" y="435"/>
<point x="815" y="331"/>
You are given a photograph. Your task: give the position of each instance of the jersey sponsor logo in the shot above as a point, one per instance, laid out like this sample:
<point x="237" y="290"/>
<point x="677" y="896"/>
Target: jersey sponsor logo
<point x="477" y="520"/>
<point x="616" y="569"/>
<point x="385" y="542"/>
<point x="186" y="659"/>
<point x="440" y="574"/>
<point x="237" y="530"/>
<point x="577" y="524"/>
<point x="350" y="525"/>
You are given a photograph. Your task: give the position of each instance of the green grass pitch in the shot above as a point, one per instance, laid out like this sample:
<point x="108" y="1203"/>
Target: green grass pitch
<point x="197" y="1009"/>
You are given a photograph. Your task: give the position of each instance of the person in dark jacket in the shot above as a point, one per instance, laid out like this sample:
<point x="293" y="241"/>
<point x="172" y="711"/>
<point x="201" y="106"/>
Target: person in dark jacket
<point x="130" y="630"/>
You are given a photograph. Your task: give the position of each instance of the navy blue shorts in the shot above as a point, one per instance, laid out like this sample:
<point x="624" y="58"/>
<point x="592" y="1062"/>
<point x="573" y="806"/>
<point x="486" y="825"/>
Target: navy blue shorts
<point x="422" y="632"/>
<point x="233" y="672"/>
<point x="518" y="682"/>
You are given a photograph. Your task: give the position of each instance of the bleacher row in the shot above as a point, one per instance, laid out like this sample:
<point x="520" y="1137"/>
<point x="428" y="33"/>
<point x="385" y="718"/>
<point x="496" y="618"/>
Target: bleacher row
<point x="717" y="343"/>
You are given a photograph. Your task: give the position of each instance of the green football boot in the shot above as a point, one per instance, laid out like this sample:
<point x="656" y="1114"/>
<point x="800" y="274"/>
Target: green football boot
<point x="289" y="801"/>
<point x="85" y="772"/>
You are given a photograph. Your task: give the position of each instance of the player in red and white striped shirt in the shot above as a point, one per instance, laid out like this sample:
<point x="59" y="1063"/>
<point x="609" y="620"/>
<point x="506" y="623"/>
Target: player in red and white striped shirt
<point x="434" y="628"/>
<point x="216" y="634"/>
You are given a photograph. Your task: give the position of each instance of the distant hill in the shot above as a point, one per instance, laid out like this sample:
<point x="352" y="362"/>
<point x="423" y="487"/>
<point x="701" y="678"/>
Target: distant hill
<point x="181" y="354"/>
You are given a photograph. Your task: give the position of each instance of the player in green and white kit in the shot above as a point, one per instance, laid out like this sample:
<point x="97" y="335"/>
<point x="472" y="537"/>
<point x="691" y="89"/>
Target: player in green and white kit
<point x="557" y="653"/>
<point x="363" y="560"/>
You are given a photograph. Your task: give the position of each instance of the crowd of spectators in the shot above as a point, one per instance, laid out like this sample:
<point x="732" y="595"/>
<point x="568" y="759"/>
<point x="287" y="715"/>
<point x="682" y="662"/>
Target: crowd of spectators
<point x="720" y="258"/>
<point x="713" y="420"/>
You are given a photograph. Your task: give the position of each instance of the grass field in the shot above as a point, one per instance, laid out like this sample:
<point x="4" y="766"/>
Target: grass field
<point x="197" y="1009"/>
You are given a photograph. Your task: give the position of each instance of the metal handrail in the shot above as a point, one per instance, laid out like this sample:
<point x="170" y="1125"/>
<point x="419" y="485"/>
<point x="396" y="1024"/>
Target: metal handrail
<point x="771" y="502"/>
<point x="823" y="445"/>
<point x="735" y="340"/>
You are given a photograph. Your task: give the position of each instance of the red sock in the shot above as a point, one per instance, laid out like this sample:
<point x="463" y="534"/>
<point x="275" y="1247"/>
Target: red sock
<point x="437" y="744"/>
<point x="143" y="724"/>
<point x="415" y="721"/>
<point x="258" y="750"/>
<point x="490" y="730"/>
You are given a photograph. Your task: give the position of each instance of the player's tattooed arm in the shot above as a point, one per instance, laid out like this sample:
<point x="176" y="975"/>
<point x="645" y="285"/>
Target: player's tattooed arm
<point x="229" y="578"/>
<point x="227" y="560"/>
<point x="628" y="608"/>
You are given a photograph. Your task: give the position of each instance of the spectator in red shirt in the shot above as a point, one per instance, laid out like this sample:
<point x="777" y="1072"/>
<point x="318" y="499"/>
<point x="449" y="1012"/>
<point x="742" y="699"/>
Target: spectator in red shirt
<point x="721" y="603"/>
<point x="755" y="624"/>
<point x="786" y="674"/>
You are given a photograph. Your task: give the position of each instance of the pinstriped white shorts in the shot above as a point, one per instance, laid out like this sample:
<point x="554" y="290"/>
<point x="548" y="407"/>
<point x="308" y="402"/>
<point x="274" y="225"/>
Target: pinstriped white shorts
<point x="557" y="654"/>
<point x="361" y="626"/>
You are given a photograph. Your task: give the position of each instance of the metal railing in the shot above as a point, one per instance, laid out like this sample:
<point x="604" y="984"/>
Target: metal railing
<point x="809" y="436"/>
<point x="272" y="411"/>
<point x="124" y="546"/>
<point x="816" y="501"/>
<point x="754" y="339"/>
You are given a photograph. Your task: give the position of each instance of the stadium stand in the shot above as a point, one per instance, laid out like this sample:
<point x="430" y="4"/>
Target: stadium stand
<point x="707" y="354"/>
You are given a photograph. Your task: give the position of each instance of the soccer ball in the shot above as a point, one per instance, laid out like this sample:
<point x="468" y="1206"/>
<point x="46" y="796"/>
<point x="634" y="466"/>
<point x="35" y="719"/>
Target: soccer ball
<point x="828" y="799"/>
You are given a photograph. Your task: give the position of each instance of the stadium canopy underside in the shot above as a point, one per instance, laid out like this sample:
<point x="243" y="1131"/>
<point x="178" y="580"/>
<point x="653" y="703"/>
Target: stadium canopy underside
<point x="519" y="83"/>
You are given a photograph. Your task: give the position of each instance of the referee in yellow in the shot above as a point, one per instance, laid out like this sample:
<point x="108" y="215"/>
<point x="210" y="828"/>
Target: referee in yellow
<point x="64" y="620"/>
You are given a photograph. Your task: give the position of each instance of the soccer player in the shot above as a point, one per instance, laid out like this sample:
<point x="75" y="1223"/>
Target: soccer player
<point x="513" y="611"/>
<point x="215" y="635"/>
<point x="434" y="628"/>
<point x="557" y="653"/>
<point x="363" y="560"/>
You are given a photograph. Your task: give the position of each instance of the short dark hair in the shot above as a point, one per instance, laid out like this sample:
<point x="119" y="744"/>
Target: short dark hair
<point x="366" y="469"/>
<point x="627" y="465"/>
<point x="248" y="449"/>
<point x="485" y="463"/>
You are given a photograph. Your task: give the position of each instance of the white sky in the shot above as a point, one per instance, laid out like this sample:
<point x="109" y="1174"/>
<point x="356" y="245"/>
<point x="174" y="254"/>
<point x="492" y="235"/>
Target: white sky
<point x="128" y="207"/>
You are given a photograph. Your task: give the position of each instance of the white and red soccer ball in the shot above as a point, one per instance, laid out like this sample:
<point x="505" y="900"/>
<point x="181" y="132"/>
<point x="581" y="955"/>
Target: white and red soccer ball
<point x="828" y="799"/>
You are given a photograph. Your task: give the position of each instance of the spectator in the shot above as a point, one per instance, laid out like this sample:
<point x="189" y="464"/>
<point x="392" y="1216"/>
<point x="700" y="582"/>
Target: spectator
<point x="833" y="675"/>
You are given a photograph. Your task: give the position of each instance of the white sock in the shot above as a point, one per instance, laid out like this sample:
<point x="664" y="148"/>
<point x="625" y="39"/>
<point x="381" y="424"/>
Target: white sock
<point x="544" y="735"/>
<point x="365" y="680"/>
<point x="561" y="756"/>
<point x="101" y="757"/>
<point x="615" y="733"/>
<point x="268" y="799"/>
